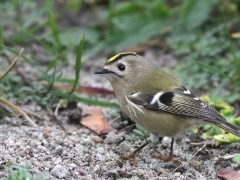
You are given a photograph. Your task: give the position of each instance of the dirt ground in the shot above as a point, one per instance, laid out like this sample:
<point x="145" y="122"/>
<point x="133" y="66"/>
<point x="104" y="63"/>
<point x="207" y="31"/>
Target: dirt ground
<point x="82" y="154"/>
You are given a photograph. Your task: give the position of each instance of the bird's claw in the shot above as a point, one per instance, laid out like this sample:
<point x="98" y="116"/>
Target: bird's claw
<point x="169" y="158"/>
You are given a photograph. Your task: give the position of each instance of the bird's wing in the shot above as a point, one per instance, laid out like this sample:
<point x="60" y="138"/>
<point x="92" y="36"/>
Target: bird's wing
<point x="179" y="101"/>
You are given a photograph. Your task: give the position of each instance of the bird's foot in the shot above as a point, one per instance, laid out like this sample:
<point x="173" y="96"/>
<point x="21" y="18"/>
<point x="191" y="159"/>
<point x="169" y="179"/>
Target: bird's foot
<point x="169" y="158"/>
<point x="131" y="158"/>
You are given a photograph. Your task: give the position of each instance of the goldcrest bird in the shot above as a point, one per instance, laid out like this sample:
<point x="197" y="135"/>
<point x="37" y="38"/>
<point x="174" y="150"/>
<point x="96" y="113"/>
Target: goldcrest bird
<point x="156" y="100"/>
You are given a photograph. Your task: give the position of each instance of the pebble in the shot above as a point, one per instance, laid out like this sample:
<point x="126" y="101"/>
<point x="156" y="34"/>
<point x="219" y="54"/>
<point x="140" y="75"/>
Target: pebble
<point x="72" y="165"/>
<point x="96" y="139"/>
<point x="81" y="171"/>
<point x="57" y="161"/>
<point x="43" y="148"/>
<point x="101" y="150"/>
<point x="59" y="171"/>
<point x="38" y="108"/>
<point x="177" y="174"/>
<point x="38" y="164"/>
<point x="59" y="150"/>
<point x="113" y="138"/>
<point x="163" y="172"/>
<point x="125" y="146"/>
<point x="24" y="152"/>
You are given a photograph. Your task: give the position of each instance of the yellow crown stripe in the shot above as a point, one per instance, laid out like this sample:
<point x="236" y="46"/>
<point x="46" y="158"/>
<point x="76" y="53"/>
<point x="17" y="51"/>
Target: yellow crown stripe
<point x="116" y="57"/>
<point x="113" y="58"/>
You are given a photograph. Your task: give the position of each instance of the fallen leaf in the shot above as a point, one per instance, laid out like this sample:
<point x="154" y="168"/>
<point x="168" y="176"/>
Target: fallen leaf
<point x="96" y="121"/>
<point x="228" y="173"/>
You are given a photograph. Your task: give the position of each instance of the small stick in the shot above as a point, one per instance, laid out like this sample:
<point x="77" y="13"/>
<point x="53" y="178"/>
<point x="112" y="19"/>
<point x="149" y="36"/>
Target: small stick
<point x="19" y="110"/>
<point x="204" y="145"/>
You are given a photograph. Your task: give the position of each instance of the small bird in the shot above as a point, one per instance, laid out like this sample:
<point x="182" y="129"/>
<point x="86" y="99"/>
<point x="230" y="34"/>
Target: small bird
<point x="156" y="100"/>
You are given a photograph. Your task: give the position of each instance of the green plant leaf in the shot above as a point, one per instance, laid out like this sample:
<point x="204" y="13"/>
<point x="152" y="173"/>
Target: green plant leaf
<point x="85" y="100"/>
<point x="226" y="138"/>
<point x="78" y="63"/>
<point x="53" y="24"/>
<point x="236" y="158"/>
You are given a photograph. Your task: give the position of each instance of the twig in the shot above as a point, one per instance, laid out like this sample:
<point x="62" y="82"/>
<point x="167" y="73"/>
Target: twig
<point x="204" y="145"/>
<point x="19" y="110"/>
<point x="54" y="117"/>
<point x="32" y="113"/>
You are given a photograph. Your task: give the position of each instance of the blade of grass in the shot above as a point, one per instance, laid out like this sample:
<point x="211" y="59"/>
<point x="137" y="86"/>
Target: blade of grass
<point x="54" y="74"/>
<point x="53" y="24"/>
<point x="50" y="66"/>
<point x="16" y="52"/>
<point x="86" y="100"/>
<point x="78" y="63"/>
<point x="12" y="65"/>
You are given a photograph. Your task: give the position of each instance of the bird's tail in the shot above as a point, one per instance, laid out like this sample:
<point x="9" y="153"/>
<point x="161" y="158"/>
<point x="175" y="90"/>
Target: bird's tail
<point x="229" y="128"/>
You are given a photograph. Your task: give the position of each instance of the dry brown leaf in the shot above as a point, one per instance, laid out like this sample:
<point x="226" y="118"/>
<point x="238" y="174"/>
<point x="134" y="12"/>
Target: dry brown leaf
<point x="228" y="173"/>
<point x="96" y="121"/>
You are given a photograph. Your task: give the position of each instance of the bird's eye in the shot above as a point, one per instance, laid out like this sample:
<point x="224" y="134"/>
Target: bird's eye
<point x="121" y="67"/>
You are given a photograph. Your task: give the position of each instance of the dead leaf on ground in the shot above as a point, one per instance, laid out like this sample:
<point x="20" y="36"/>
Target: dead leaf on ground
<point x="96" y="121"/>
<point x="228" y="173"/>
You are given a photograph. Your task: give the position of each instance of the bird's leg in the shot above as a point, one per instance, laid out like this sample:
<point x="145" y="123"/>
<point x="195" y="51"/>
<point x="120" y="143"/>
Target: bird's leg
<point x="170" y="158"/>
<point x="132" y="155"/>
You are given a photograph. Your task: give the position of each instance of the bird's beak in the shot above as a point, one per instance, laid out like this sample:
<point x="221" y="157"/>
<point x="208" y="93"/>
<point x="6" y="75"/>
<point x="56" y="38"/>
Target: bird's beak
<point x="103" y="71"/>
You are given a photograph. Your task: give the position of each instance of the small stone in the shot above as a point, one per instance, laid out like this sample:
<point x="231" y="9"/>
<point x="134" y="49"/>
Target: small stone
<point x="195" y="164"/>
<point x="38" y="164"/>
<point x="59" y="171"/>
<point x="163" y="172"/>
<point x="43" y="148"/>
<point x="96" y="139"/>
<point x="46" y="132"/>
<point x="72" y="165"/>
<point x="59" y="150"/>
<point x="113" y="138"/>
<point x="87" y="141"/>
<point x="38" y="108"/>
<point x="81" y="171"/>
<point x="101" y="150"/>
<point x="86" y="178"/>
<point x="96" y="168"/>
<point x="57" y="161"/>
<point x="125" y="146"/>
<point x="177" y="174"/>
<point x="24" y="152"/>
<point x="88" y="158"/>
